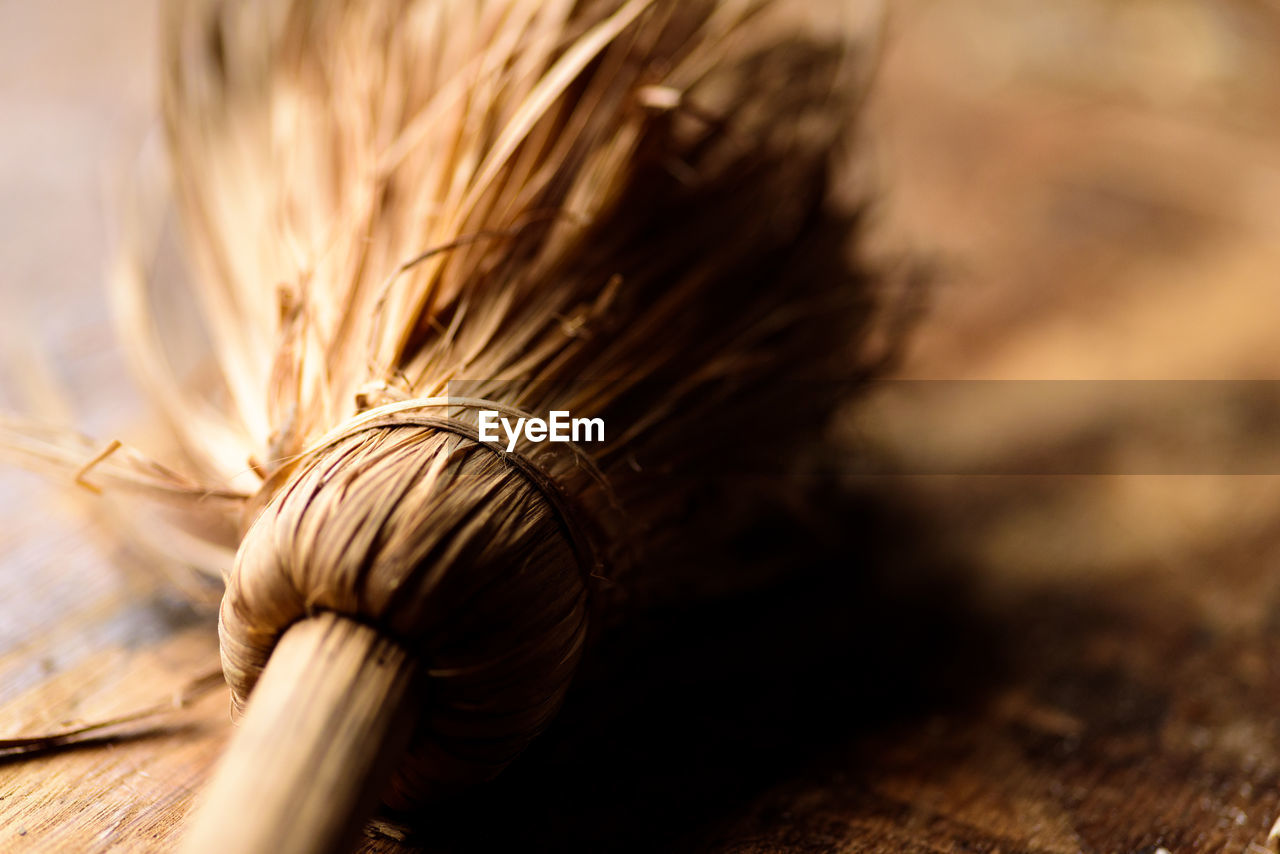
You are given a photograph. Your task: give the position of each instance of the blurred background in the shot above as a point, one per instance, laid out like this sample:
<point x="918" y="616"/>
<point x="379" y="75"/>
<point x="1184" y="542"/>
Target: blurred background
<point x="1056" y="624"/>
<point x="1096" y="184"/>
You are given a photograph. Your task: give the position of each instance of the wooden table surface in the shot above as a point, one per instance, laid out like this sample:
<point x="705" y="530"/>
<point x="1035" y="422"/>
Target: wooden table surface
<point x="1087" y="660"/>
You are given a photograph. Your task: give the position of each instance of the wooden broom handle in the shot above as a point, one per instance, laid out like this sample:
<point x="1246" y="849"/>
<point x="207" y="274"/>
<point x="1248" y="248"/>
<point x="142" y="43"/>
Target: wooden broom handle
<point x="331" y="713"/>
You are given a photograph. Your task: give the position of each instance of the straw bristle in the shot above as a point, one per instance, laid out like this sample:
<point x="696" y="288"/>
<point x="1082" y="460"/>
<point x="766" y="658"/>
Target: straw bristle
<point x="320" y="148"/>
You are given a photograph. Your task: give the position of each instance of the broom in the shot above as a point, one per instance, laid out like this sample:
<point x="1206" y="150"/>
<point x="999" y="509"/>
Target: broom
<point x="406" y="221"/>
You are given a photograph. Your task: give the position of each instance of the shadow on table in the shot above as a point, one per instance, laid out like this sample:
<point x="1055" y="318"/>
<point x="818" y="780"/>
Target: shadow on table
<point x="684" y="714"/>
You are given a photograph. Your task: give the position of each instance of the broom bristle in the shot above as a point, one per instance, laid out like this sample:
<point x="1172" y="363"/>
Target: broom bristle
<point x="320" y="148"/>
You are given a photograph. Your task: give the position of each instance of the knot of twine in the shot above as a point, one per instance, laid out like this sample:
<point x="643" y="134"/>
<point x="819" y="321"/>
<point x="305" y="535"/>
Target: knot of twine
<point x="476" y="560"/>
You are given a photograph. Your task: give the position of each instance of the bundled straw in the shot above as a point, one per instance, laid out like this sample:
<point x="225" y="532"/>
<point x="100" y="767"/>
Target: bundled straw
<point x="401" y="213"/>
